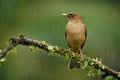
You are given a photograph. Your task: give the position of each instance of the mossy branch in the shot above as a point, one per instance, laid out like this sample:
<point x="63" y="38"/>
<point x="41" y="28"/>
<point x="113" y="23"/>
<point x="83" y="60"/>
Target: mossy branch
<point x="85" y="61"/>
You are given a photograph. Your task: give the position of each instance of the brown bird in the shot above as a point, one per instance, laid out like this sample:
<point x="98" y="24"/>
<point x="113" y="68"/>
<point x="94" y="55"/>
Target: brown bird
<point x="75" y="33"/>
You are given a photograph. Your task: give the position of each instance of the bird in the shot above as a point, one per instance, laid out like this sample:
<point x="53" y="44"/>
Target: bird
<point x="76" y="34"/>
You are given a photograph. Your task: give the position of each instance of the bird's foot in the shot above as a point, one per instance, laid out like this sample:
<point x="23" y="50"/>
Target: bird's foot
<point x="81" y="55"/>
<point x="70" y="51"/>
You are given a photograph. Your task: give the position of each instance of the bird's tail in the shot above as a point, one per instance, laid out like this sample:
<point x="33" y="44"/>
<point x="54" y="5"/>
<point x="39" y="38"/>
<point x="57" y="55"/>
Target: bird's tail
<point x="73" y="63"/>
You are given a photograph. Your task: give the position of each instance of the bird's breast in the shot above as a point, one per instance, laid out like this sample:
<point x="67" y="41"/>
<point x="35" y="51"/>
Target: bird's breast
<point x="75" y="35"/>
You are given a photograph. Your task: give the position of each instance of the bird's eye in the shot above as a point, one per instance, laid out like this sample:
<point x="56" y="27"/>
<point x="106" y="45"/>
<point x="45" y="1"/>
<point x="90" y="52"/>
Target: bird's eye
<point x="72" y="15"/>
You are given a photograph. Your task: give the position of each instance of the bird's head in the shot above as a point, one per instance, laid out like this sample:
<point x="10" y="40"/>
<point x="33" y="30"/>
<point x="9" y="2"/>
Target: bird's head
<point x="72" y="16"/>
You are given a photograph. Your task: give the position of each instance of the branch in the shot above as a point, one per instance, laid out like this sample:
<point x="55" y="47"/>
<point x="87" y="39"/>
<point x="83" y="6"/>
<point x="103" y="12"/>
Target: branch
<point x="87" y="61"/>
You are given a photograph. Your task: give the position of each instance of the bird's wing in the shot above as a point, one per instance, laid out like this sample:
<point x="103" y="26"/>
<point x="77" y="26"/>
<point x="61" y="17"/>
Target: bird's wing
<point x="85" y="37"/>
<point x="66" y="38"/>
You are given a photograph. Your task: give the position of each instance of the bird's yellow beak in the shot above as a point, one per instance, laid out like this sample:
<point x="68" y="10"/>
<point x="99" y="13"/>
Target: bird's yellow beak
<point x="64" y="14"/>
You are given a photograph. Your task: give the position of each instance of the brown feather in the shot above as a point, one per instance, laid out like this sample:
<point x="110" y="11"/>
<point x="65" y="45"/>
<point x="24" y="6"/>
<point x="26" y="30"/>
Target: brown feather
<point x="76" y="34"/>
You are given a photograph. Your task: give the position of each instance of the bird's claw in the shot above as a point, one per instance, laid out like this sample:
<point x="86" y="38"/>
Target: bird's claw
<point x="70" y="51"/>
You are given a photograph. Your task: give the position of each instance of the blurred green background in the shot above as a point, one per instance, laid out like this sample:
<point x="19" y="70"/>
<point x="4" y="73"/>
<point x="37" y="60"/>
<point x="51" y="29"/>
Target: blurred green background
<point x="42" y="20"/>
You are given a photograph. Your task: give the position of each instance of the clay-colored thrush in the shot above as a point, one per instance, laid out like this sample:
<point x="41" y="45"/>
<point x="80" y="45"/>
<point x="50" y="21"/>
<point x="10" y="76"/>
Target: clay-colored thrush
<point x="75" y="33"/>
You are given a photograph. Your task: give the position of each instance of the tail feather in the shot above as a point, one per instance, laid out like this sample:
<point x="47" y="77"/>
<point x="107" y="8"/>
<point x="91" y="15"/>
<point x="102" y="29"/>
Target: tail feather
<point x="73" y="63"/>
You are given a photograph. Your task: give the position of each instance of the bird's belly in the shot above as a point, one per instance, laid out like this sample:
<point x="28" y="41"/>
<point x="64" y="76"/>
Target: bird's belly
<point x="75" y="40"/>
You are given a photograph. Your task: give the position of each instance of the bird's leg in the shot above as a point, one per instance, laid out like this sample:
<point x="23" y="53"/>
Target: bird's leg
<point x="81" y="55"/>
<point x="69" y="50"/>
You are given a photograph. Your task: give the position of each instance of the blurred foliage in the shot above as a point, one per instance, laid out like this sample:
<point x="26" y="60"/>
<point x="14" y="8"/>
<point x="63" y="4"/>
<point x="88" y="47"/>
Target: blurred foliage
<point x="42" y="20"/>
